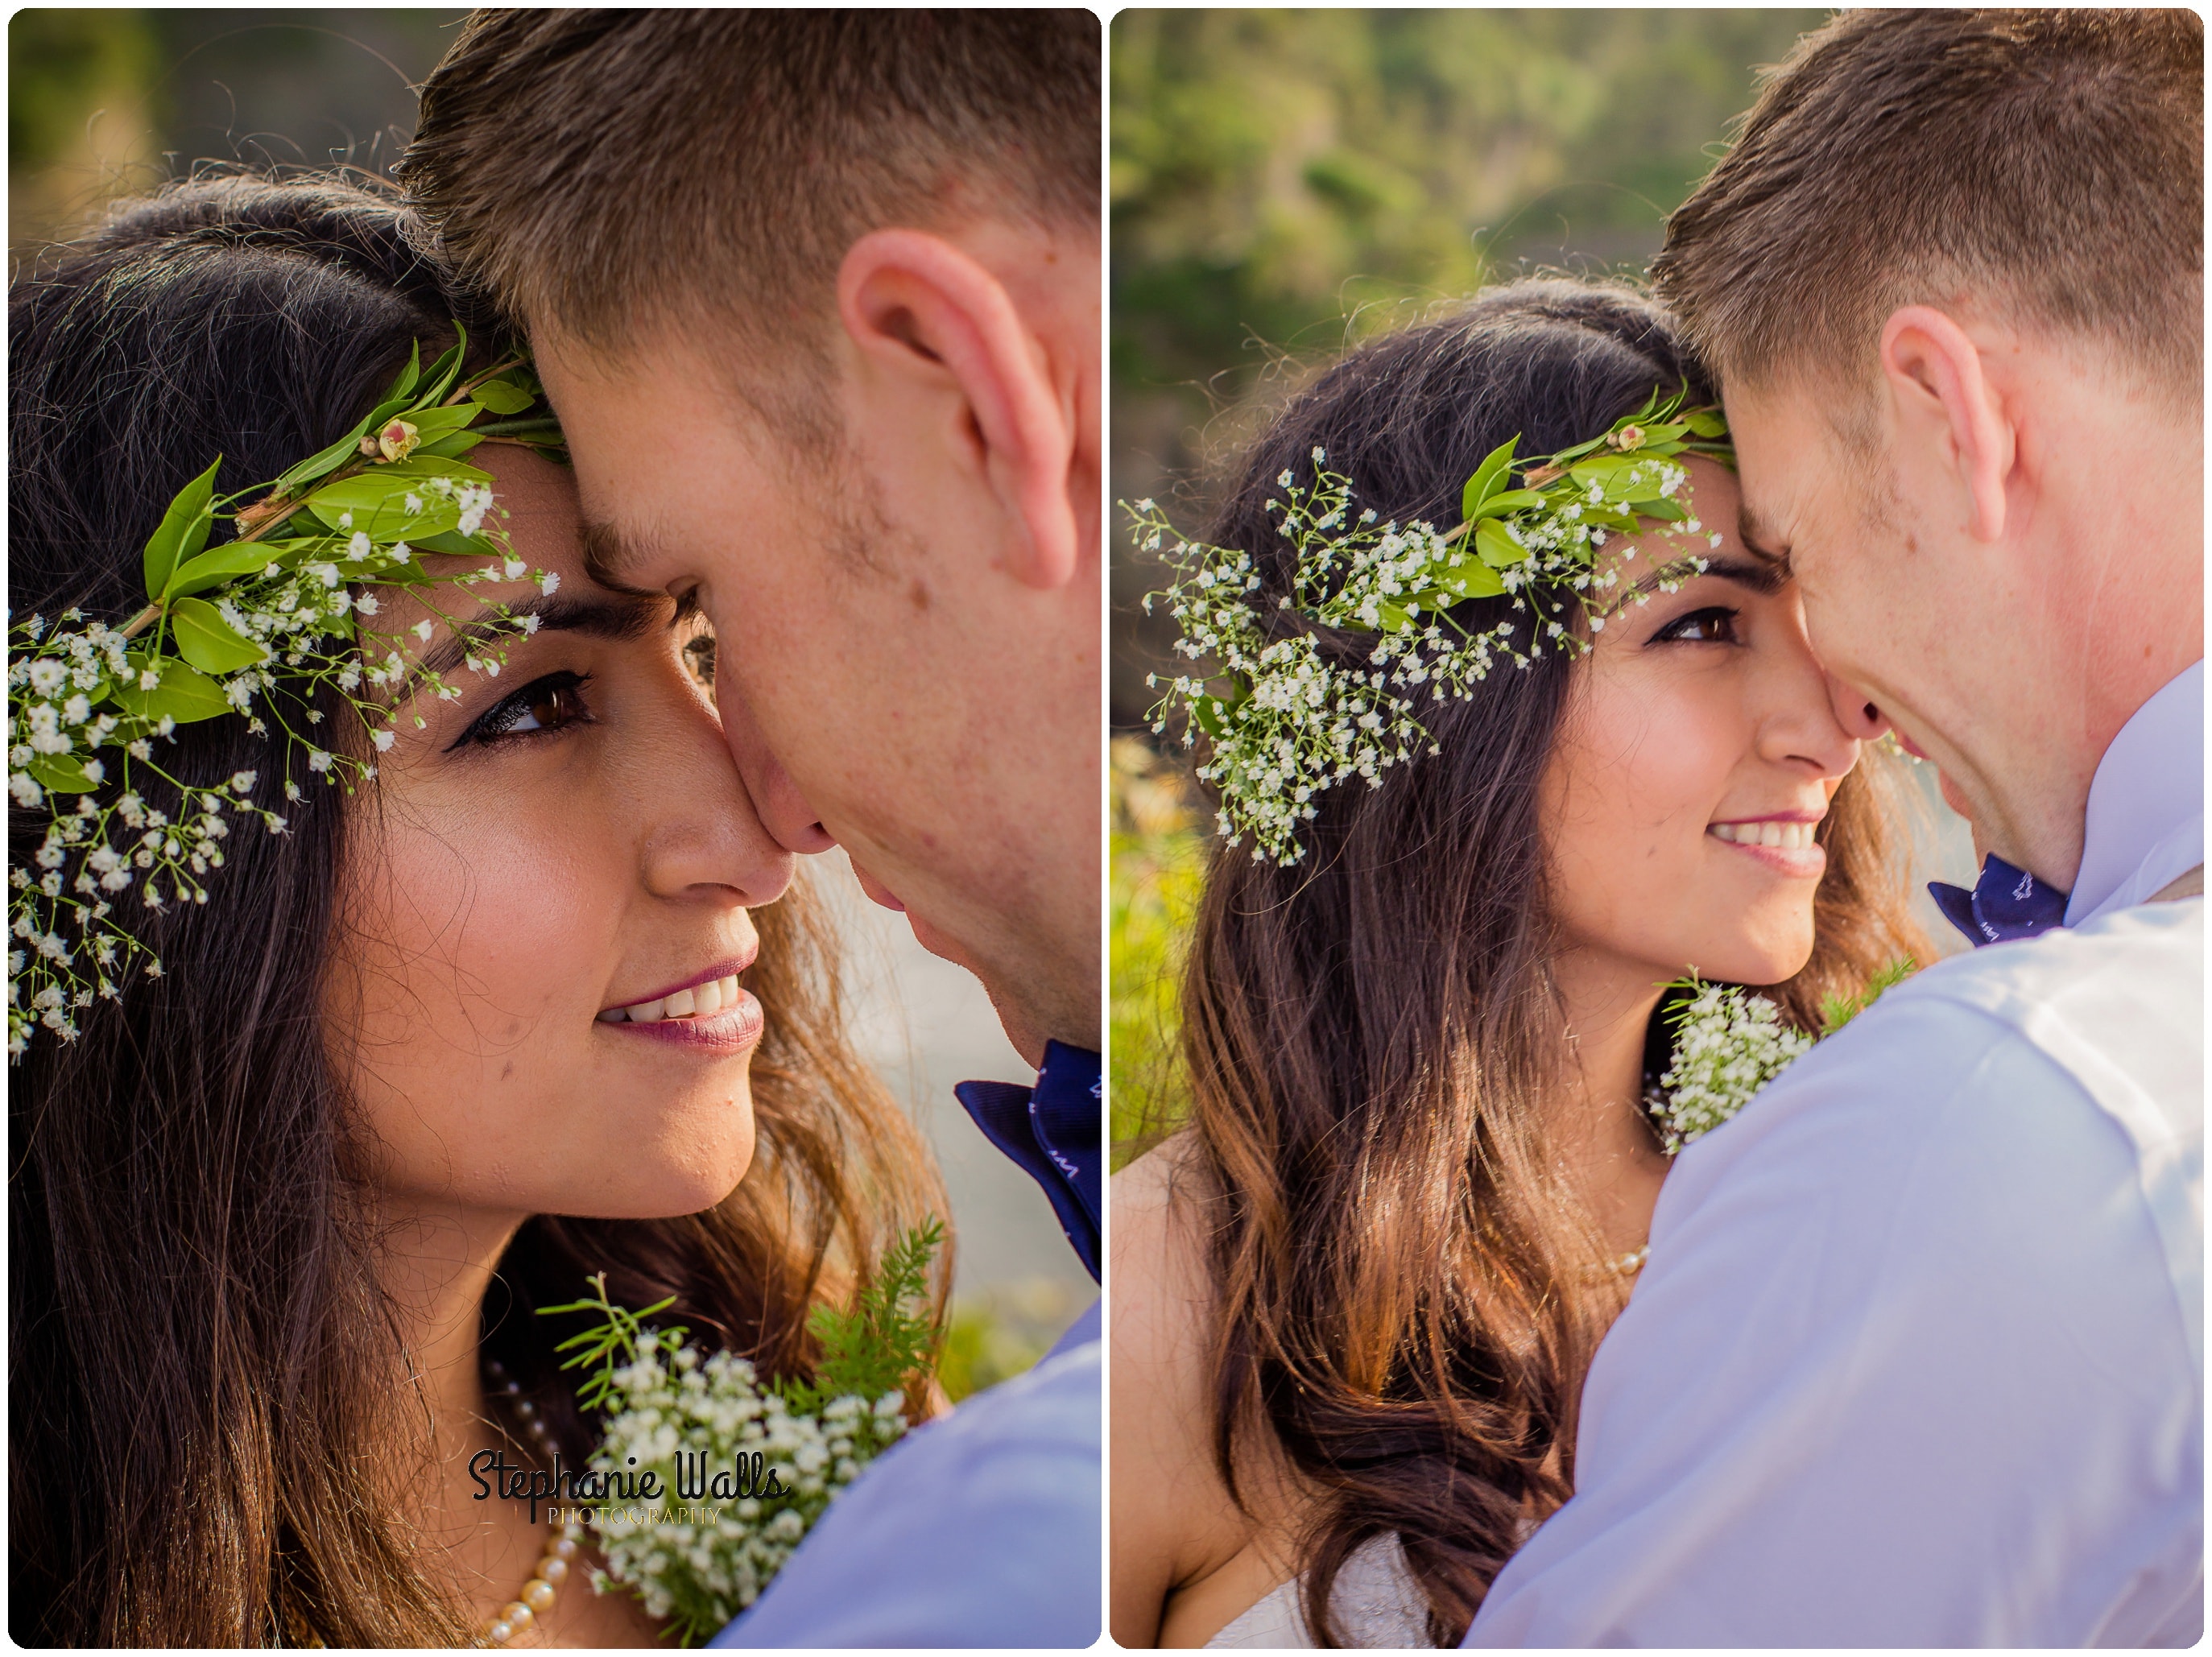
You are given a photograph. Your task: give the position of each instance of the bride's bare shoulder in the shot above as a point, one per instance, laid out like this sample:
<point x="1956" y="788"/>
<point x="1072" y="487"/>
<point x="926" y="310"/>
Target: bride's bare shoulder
<point x="1173" y="1519"/>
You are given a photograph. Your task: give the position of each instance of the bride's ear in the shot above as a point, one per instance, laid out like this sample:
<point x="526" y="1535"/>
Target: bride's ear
<point x="926" y="316"/>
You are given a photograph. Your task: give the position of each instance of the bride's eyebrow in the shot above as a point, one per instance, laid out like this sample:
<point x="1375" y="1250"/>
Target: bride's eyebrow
<point x="619" y="617"/>
<point x="1760" y="575"/>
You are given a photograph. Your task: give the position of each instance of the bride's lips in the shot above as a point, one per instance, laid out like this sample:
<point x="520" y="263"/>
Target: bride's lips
<point x="710" y="1010"/>
<point x="1783" y="840"/>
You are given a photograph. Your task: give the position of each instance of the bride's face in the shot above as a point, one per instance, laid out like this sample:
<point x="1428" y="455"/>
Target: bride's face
<point x="1700" y="748"/>
<point x="565" y="840"/>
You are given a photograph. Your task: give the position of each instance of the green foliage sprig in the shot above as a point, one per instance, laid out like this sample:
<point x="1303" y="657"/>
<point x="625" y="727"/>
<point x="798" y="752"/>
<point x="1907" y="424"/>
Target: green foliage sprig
<point x="1286" y="723"/>
<point x="284" y="605"/>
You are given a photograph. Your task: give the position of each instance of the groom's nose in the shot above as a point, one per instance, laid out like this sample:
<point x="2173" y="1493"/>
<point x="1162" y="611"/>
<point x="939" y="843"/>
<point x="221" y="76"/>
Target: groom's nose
<point x="1861" y="719"/>
<point x="783" y="809"/>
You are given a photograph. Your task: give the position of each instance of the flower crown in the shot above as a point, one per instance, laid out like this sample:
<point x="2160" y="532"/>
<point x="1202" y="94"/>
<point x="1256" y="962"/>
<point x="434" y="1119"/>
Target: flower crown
<point x="1292" y="724"/>
<point x="89" y="705"/>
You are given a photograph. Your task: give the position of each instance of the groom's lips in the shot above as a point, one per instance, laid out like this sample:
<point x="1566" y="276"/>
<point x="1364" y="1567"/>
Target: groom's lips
<point x="876" y="891"/>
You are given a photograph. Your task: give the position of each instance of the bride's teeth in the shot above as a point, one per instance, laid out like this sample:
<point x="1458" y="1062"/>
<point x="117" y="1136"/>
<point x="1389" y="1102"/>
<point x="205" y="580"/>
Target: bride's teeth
<point x="1769" y="833"/>
<point x="1725" y="831"/>
<point x="680" y="1004"/>
<point x="707" y="1000"/>
<point x="649" y="1012"/>
<point x="615" y="1016"/>
<point x="731" y="988"/>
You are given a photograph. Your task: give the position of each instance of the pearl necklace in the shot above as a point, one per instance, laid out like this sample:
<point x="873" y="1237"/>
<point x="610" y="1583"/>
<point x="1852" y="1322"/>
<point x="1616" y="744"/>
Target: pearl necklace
<point x="538" y="1593"/>
<point x="1627" y="1265"/>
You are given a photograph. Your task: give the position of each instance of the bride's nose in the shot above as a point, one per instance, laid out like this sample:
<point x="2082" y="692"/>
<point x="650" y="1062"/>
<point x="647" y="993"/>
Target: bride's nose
<point x="702" y="835"/>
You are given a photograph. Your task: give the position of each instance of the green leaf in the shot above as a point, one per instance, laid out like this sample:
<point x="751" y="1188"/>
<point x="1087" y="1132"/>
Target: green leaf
<point x="184" y="694"/>
<point x="183" y="530"/>
<point x="445" y="370"/>
<point x="1507" y="502"/>
<point x="1706" y="423"/>
<point x="453" y="541"/>
<point x="459" y="444"/>
<point x="209" y="643"/>
<point x="1488" y="478"/>
<point x="319" y="466"/>
<point x="212" y="569"/>
<point x="377" y="499"/>
<point x="1470" y="579"/>
<point x="1667" y="512"/>
<point x="1495" y="547"/>
<point x="60" y="774"/>
<point x="431" y="424"/>
<point x="404" y="387"/>
<point x="503" y="396"/>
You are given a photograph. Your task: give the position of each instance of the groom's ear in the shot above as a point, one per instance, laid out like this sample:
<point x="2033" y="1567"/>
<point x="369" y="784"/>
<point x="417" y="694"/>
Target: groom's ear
<point x="925" y="314"/>
<point x="1946" y="406"/>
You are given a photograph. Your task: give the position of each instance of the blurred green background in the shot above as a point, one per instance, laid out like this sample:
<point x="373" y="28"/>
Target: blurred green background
<point x="105" y="103"/>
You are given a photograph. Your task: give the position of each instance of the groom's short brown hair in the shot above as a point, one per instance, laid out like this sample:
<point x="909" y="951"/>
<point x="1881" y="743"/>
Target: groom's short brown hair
<point x="2051" y="161"/>
<point x="612" y="168"/>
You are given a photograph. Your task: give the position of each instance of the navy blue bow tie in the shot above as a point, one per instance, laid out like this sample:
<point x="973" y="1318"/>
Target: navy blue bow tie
<point x="1054" y="1132"/>
<point x="2006" y="904"/>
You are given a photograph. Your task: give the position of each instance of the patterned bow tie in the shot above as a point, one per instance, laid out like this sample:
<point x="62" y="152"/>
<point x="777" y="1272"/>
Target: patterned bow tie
<point x="2006" y="904"/>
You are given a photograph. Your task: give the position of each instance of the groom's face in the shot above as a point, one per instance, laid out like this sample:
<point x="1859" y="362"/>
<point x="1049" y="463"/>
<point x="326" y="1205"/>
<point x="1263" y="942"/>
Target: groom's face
<point x="1883" y="605"/>
<point x="883" y="687"/>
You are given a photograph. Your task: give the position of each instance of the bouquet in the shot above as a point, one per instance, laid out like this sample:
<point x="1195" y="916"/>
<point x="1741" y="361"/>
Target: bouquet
<point x="751" y="1466"/>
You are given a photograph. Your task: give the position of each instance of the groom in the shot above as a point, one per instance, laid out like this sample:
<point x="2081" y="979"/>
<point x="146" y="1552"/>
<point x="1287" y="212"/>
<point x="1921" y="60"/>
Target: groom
<point x="816" y="296"/>
<point x="1917" y="1359"/>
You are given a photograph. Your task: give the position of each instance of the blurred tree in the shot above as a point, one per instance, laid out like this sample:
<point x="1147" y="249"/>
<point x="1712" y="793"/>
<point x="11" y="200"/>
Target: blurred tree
<point x="1289" y="180"/>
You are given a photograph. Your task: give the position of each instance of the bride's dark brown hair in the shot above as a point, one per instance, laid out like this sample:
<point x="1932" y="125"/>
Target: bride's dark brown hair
<point x="206" y="1392"/>
<point x="1406" y="1311"/>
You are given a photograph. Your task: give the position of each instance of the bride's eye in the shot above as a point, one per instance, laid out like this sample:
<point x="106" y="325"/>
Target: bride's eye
<point x="1714" y="625"/>
<point x="552" y="703"/>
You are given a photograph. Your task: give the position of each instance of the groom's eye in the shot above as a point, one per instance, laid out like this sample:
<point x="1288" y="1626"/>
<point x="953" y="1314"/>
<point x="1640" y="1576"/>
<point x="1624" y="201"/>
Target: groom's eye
<point x="1714" y="625"/>
<point x="699" y="659"/>
<point x="544" y="706"/>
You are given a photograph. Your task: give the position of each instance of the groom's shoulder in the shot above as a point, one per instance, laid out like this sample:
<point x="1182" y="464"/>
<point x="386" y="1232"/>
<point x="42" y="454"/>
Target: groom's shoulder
<point x="2032" y="1098"/>
<point x="2108" y="1015"/>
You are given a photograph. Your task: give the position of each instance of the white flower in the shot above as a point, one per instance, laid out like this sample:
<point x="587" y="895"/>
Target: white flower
<point x="548" y="583"/>
<point x="422" y="630"/>
<point x="383" y="739"/>
<point x="48" y="677"/>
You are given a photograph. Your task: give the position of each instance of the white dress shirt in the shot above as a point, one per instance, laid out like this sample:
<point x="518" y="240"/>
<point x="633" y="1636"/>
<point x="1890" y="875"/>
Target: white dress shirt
<point x="1918" y="1359"/>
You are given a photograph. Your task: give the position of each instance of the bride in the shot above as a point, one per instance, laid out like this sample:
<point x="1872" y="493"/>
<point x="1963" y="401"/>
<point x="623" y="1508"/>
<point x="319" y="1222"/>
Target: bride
<point x="1356" y="1295"/>
<point x="541" y="1001"/>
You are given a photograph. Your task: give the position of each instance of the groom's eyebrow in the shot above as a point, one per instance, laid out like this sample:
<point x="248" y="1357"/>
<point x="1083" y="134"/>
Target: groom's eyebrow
<point x="1760" y="541"/>
<point x="609" y="551"/>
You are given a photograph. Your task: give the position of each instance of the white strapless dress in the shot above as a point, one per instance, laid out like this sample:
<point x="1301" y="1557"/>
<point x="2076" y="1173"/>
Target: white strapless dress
<point x="1378" y="1605"/>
